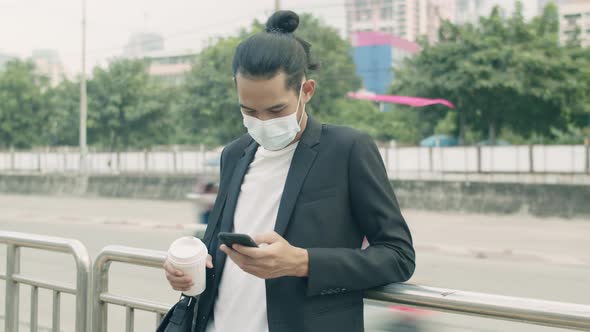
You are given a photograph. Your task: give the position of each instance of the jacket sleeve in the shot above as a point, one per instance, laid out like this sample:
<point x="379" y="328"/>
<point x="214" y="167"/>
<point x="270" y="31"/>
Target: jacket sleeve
<point x="390" y="257"/>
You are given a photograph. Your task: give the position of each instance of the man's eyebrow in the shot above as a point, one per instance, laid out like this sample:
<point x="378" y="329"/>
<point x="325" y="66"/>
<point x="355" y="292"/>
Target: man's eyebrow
<point x="274" y="107"/>
<point x="246" y="107"/>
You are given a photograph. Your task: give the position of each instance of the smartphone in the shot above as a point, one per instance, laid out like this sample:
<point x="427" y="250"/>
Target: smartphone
<point x="229" y="239"/>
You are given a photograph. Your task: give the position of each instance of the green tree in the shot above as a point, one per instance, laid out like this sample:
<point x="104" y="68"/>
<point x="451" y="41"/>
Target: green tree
<point x="126" y="108"/>
<point x="63" y="105"/>
<point x="209" y="110"/>
<point x="503" y="73"/>
<point x="22" y="116"/>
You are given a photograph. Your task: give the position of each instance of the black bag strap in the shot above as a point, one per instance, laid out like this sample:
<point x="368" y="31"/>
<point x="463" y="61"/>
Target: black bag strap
<point x="180" y="317"/>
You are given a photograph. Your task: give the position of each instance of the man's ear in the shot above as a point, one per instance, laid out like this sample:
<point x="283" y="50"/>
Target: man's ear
<point x="308" y="90"/>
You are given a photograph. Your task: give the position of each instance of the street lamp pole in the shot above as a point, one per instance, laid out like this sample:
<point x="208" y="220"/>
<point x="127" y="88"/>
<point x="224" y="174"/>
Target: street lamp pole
<point x="83" y="101"/>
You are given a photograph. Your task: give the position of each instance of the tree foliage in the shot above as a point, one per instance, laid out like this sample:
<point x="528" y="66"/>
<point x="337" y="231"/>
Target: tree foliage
<point x="22" y="97"/>
<point x="503" y="73"/>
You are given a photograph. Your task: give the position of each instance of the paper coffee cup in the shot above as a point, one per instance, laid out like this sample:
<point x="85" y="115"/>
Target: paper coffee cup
<point x="189" y="255"/>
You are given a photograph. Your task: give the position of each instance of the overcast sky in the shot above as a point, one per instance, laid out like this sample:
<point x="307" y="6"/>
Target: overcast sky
<point x="185" y="24"/>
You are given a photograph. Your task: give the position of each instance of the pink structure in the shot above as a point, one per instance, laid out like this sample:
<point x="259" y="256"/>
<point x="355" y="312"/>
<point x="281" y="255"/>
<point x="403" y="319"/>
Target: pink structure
<point x="402" y="100"/>
<point x="367" y="38"/>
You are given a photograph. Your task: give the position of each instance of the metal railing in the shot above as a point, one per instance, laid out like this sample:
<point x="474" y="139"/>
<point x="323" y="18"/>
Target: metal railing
<point x="524" y="310"/>
<point x="532" y="311"/>
<point x="13" y="277"/>
<point x="102" y="297"/>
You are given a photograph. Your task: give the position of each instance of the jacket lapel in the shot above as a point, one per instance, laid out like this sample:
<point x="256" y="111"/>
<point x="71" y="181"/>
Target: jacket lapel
<point x="222" y="197"/>
<point x="233" y="192"/>
<point x="215" y="213"/>
<point x="300" y="165"/>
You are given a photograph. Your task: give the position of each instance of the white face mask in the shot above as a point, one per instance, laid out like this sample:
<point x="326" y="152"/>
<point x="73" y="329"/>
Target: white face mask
<point x="275" y="134"/>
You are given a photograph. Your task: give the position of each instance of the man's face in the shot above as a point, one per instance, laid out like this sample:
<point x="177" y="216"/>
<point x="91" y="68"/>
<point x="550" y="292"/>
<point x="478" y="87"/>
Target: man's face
<point x="267" y="99"/>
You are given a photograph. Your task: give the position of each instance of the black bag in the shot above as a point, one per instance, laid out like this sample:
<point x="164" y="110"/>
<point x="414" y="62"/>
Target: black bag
<point x="180" y="317"/>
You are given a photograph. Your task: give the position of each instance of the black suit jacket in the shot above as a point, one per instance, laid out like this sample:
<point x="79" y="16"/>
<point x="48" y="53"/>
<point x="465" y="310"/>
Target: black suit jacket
<point x="337" y="191"/>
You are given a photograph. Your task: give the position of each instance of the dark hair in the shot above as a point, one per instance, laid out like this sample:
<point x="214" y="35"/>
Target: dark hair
<point x="276" y="49"/>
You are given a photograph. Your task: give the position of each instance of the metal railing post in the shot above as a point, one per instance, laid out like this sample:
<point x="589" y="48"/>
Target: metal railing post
<point x="12" y="159"/>
<point x="175" y="160"/>
<point x="203" y="164"/>
<point x="587" y="146"/>
<point x="65" y="159"/>
<point x="431" y="159"/>
<point x="34" y="308"/>
<point x="100" y="282"/>
<point x="83" y="285"/>
<point x="14" y="241"/>
<point x="11" y="306"/>
<point x="39" y="161"/>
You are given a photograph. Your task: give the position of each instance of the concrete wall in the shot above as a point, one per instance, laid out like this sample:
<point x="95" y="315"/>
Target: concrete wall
<point x="495" y="198"/>
<point x="477" y="197"/>
<point x="170" y="187"/>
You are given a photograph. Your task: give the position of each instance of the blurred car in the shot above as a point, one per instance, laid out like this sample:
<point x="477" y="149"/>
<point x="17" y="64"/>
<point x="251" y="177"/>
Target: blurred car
<point x="438" y="141"/>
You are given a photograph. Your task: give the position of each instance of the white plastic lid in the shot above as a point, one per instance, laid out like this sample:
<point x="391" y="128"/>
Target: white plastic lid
<point x="187" y="250"/>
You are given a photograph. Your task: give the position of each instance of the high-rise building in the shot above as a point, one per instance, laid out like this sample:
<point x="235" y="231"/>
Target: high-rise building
<point x="142" y="44"/>
<point x="404" y="18"/>
<point x="48" y="63"/>
<point x="408" y="19"/>
<point x="4" y="58"/>
<point x="439" y="11"/>
<point x="376" y="55"/>
<point x="574" y="21"/>
<point x="469" y="11"/>
<point x="170" y="67"/>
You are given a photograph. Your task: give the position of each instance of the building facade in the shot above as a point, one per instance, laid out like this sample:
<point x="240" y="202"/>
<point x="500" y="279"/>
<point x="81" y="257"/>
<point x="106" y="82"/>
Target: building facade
<point x="170" y="67"/>
<point x="408" y="19"/>
<point x="438" y="12"/>
<point x="142" y="44"/>
<point x="48" y="63"/>
<point x="4" y="58"/>
<point x="404" y="18"/>
<point x="469" y="11"/>
<point x="574" y="21"/>
<point x="376" y="55"/>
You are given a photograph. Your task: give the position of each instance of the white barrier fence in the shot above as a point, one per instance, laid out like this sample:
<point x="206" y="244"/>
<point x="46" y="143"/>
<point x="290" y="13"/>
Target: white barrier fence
<point x="562" y="159"/>
<point x="487" y="159"/>
<point x="198" y="160"/>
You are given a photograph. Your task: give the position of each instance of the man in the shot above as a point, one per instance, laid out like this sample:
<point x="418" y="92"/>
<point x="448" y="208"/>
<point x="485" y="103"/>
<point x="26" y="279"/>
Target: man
<point x="308" y="194"/>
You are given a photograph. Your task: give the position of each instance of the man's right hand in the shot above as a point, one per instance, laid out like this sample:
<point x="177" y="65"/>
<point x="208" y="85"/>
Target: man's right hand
<point x="177" y="279"/>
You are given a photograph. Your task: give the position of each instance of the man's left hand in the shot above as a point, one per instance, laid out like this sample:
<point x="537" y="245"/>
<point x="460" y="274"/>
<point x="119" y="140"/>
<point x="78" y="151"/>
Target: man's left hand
<point x="274" y="258"/>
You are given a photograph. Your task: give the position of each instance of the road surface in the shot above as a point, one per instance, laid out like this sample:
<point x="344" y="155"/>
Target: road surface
<point x="515" y="255"/>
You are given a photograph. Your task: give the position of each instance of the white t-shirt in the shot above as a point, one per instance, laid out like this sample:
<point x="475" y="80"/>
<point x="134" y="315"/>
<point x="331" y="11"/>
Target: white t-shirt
<point x="241" y="299"/>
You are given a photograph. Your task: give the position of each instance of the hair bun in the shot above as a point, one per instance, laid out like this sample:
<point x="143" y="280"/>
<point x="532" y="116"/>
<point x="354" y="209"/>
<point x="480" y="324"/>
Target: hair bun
<point x="282" y="21"/>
